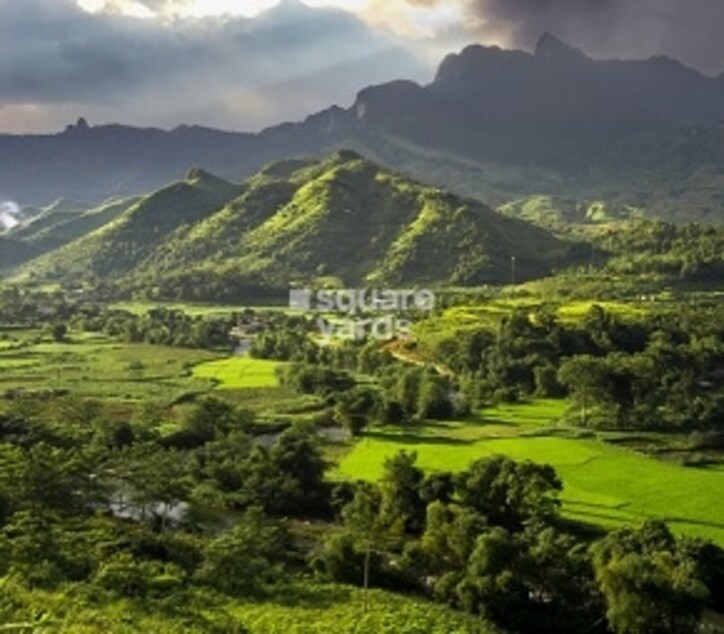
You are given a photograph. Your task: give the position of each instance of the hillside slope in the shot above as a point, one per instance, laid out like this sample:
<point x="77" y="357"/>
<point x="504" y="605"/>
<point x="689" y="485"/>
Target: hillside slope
<point x="340" y="221"/>
<point x="121" y="245"/>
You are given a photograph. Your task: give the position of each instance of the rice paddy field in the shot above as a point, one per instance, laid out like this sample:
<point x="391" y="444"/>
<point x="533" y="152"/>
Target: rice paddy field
<point x="604" y="485"/>
<point x="94" y="366"/>
<point x="239" y="373"/>
<point x="253" y="383"/>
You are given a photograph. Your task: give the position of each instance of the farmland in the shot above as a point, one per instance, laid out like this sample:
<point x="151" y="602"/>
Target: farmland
<point x="94" y="366"/>
<point x="239" y="373"/>
<point x="604" y="485"/>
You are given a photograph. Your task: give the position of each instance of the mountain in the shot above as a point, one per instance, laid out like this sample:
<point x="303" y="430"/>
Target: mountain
<point x="97" y="162"/>
<point x="494" y="124"/>
<point x="14" y="253"/>
<point x="342" y="220"/>
<point x="53" y="228"/>
<point x="564" y="215"/>
<point x="122" y="244"/>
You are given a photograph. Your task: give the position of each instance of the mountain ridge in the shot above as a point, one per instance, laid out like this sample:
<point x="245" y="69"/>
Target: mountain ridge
<point x="342" y="219"/>
<point x="585" y="125"/>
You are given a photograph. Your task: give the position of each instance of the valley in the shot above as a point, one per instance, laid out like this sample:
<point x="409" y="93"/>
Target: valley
<point x="204" y="429"/>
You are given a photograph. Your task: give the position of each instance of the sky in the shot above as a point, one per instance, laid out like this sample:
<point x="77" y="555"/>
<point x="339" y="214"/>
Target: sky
<point x="247" y="64"/>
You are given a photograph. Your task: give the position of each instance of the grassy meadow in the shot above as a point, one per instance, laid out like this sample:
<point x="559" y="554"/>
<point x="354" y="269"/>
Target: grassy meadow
<point x="239" y="373"/>
<point x="604" y="485"/>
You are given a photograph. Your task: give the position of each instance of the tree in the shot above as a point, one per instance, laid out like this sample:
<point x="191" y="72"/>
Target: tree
<point x="650" y="583"/>
<point x="211" y="418"/>
<point x="536" y="581"/>
<point x="586" y="379"/>
<point x="297" y="458"/>
<point x="246" y="556"/>
<point x="287" y="479"/>
<point x="407" y="390"/>
<point x="362" y="519"/>
<point x="508" y="493"/>
<point x="400" y="488"/>
<point x="59" y="332"/>
<point x="434" y="398"/>
<point x="356" y="408"/>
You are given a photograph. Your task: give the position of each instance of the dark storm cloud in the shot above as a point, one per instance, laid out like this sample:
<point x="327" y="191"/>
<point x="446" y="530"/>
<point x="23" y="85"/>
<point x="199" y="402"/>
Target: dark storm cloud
<point x="689" y="30"/>
<point x="52" y="52"/>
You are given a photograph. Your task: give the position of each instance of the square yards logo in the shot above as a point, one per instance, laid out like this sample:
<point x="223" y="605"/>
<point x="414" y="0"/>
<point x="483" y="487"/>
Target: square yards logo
<point x="359" y="314"/>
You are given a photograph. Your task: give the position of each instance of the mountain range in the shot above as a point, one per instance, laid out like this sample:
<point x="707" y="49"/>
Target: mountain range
<point x="497" y="125"/>
<point x="338" y="221"/>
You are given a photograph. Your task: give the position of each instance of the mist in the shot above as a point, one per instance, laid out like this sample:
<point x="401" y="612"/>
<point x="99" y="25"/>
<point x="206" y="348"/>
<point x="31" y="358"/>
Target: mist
<point x="9" y="215"/>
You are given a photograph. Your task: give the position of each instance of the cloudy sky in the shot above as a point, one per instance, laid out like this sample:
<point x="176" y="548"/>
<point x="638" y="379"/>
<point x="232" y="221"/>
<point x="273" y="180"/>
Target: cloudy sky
<point x="244" y="64"/>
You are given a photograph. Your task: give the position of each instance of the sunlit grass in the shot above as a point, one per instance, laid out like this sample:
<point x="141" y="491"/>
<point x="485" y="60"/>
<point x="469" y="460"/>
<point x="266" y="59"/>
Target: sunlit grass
<point x="604" y="484"/>
<point x="240" y="372"/>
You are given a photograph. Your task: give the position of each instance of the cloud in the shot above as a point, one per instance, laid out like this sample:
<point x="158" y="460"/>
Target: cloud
<point x="688" y="30"/>
<point x="9" y="214"/>
<point x="55" y="57"/>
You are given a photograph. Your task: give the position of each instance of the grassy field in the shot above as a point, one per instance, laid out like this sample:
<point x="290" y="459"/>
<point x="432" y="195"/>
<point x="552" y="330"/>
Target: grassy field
<point x="605" y="485"/>
<point x="98" y="367"/>
<point x="94" y="366"/>
<point x="239" y="373"/>
<point x="253" y="384"/>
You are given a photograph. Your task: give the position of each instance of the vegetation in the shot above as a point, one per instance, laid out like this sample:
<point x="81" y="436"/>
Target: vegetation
<point x="298" y="222"/>
<point x="604" y="484"/>
<point x="539" y="458"/>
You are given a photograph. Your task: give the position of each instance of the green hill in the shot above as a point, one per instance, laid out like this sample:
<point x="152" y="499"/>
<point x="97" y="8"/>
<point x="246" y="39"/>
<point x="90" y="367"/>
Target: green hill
<point x="563" y="214"/>
<point x="46" y="218"/>
<point x="341" y="220"/>
<point x="120" y="246"/>
<point x="348" y="221"/>
<point x="54" y="229"/>
<point x="14" y="252"/>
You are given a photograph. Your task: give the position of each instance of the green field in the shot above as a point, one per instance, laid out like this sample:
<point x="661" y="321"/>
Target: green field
<point x="97" y="367"/>
<point x="604" y="484"/>
<point x="239" y="373"/>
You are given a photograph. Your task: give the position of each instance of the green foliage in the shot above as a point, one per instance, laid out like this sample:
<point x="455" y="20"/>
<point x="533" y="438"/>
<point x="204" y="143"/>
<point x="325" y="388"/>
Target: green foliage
<point x="244" y="558"/>
<point x="314" y="379"/>
<point x="508" y="493"/>
<point x="203" y="238"/>
<point x="604" y="485"/>
<point x="402" y="503"/>
<point x="649" y="583"/>
<point x="357" y="408"/>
